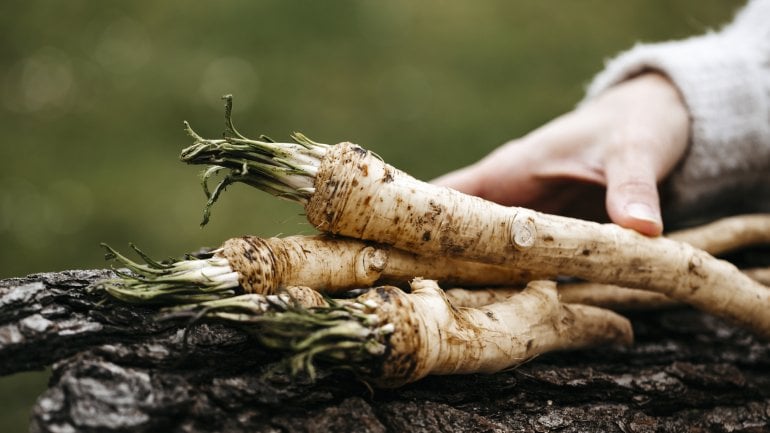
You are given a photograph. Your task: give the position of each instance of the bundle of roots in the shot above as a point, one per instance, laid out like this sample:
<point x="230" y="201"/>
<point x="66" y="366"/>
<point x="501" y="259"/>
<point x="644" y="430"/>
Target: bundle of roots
<point x="397" y="239"/>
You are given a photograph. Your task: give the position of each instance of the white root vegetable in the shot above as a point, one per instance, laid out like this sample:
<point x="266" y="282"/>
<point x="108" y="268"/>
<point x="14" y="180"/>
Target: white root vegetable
<point x="336" y="264"/>
<point x="727" y="234"/>
<point x="443" y="221"/>
<point x="761" y="275"/>
<point x="257" y="265"/>
<point x="608" y="296"/>
<point x="367" y="198"/>
<point x="598" y="295"/>
<point x="392" y="338"/>
<point x="351" y="192"/>
<point x="718" y="237"/>
<point x="621" y="298"/>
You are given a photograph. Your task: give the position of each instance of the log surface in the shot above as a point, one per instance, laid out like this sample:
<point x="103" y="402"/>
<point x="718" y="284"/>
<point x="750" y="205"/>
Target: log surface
<point x="116" y="369"/>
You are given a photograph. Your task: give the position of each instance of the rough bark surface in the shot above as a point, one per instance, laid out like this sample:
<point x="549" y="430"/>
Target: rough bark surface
<point x="117" y="369"/>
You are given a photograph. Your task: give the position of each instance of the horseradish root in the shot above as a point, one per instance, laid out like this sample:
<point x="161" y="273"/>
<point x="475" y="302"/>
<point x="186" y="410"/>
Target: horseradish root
<point x="759" y="274"/>
<point x="392" y="338"/>
<point x="727" y="234"/>
<point x="598" y="295"/>
<point x="329" y="264"/>
<point x="333" y="264"/>
<point x="347" y="190"/>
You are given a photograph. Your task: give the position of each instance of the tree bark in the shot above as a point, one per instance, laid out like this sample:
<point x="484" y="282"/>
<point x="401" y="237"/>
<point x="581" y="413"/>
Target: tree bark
<point x="116" y="368"/>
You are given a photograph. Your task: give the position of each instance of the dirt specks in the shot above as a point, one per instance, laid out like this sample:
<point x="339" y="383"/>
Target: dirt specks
<point x="387" y="177"/>
<point x="358" y="149"/>
<point x="383" y="293"/>
<point x="436" y="208"/>
<point x="364" y="169"/>
<point x="248" y="254"/>
<point x="695" y="267"/>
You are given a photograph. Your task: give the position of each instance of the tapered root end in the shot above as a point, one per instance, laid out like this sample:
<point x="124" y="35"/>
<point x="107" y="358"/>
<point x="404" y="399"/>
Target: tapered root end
<point x="592" y="326"/>
<point x="614" y="297"/>
<point x="580" y="326"/>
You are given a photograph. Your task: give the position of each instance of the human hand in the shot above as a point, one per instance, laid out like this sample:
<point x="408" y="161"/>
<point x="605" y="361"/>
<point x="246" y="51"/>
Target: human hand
<point x="623" y="142"/>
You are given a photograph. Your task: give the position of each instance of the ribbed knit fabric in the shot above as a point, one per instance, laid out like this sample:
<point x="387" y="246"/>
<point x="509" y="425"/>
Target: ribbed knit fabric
<point x="724" y="78"/>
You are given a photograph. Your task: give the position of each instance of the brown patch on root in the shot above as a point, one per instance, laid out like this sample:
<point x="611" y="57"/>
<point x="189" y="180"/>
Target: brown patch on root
<point x="388" y="176"/>
<point x="359" y="150"/>
<point x="695" y="267"/>
<point x="452" y="242"/>
<point x="305" y="297"/>
<point x="400" y="361"/>
<point x="332" y="190"/>
<point x="254" y="262"/>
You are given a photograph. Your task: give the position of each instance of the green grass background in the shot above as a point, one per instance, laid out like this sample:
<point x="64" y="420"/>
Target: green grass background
<point x="93" y="94"/>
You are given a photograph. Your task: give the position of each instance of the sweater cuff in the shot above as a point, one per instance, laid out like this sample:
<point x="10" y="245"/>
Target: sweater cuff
<point x="725" y="90"/>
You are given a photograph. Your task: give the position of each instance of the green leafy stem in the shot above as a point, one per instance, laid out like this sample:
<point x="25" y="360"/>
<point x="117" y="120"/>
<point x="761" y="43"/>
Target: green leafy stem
<point x="286" y="170"/>
<point x="343" y="334"/>
<point x="172" y="282"/>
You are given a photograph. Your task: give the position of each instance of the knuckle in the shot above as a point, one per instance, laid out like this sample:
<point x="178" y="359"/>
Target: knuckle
<point x="637" y="187"/>
<point x="634" y="138"/>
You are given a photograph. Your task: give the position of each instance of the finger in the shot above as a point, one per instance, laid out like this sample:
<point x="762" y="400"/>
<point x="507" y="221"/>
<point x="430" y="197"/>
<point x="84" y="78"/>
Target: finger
<point x="518" y="172"/>
<point x="632" y="195"/>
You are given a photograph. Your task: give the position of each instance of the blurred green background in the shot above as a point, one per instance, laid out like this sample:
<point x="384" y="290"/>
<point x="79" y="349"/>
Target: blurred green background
<point x="93" y="95"/>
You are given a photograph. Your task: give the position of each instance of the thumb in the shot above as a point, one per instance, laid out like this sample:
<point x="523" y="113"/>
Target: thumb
<point x="632" y="196"/>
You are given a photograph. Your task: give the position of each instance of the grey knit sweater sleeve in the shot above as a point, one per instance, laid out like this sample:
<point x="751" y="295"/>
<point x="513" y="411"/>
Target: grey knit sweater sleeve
<point x="724" y="78"/>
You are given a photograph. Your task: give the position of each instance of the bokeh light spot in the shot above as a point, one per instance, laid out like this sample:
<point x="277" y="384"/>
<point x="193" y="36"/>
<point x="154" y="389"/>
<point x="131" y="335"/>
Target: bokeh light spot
<point x="124" y="46"/>
<point x="40" y="82"/>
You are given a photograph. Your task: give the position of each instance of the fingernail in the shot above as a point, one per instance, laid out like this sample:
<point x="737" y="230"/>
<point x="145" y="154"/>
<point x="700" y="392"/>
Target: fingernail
<point x="643" y="212"/>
